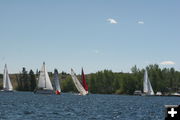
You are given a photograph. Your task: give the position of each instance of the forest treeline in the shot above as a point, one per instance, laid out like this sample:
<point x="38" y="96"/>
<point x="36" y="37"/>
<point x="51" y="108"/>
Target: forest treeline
<point x="166" y="80"/>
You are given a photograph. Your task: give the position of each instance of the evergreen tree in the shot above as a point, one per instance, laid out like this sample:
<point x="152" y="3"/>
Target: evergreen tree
<point x="32" y="79"/>
<point x="25" y="80"/>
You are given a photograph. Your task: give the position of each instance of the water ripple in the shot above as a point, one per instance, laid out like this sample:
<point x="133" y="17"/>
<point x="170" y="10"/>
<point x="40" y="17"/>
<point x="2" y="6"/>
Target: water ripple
<point x="28" y="106"/>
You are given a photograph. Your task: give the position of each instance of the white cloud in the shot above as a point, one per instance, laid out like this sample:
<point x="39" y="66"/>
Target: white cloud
<point x="167" y="63"/>
<point x="112" y="21"/>
<point x="96" y="51"/>
<point x="141" y="22"/>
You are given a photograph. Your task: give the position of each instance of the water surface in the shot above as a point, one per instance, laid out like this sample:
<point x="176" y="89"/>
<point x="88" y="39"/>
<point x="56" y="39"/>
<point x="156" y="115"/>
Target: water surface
<point x="27" y="106"/>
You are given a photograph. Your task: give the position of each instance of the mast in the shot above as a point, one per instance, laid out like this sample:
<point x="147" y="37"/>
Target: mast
<point x="54" y="81"/>
<point x="145" y="82"/>
<point x="4" y="77"/>
<point x="6" y="83"/>
<point x="44" y="73"/>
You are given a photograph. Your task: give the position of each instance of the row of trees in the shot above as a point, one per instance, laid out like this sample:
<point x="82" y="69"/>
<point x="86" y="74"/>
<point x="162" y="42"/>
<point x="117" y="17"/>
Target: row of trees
<point x="26" y="81"/>
<point x="108" y="82"/>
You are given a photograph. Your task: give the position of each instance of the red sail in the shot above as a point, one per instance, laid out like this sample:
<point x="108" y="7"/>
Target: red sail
<point x="84" y="81"/>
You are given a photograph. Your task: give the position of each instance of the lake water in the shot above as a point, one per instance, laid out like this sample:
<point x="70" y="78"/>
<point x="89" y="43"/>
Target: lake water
<point x="27" y="106"/>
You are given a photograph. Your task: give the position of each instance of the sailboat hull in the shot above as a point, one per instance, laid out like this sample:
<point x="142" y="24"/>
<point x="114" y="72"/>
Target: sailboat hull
<point x="44" y="92"/>
<point x="58" y="92"/>
<point x="7" y="90"/>
<point x="146" y="95"/>
<point x="84" y="94"/>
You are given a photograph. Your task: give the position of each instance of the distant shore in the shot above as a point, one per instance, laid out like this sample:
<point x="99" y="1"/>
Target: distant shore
<point x="166" y="80"/>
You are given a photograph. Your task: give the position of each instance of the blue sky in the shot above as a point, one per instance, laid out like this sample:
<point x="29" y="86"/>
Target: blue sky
<point x="94" y="34"/>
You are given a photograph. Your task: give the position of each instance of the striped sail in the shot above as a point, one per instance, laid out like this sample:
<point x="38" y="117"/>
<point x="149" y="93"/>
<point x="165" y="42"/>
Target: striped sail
<point x="56" y="81"/>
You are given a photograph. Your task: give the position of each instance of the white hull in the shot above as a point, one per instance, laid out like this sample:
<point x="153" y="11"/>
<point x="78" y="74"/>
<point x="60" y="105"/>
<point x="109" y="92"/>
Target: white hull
<point x="84" y="94"/>
<point x="7" y="90"/>
<point x="158" y="94"/>
<point x="175" y="94"/>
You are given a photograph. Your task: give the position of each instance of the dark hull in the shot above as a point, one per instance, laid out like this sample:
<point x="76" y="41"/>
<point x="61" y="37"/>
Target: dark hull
<point x="44" y="92"/>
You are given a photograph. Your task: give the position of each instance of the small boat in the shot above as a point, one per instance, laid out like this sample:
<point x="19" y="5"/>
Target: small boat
<point x="78" y="85"/>
<point x="138" y="92"/>
<point x="56" y="83"/>
<point x="44" y="83"/>
<point x="175" y="94"/>
<point x="147" y="88"/>
<point x="158" y="94"/>
<point x="7" y="86"/>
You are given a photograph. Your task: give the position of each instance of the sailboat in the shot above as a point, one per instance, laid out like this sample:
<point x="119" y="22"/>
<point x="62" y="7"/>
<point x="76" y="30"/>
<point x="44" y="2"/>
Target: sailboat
<point x="78" y="85"/>
<point x="56" y="83"/>
<point x="44" y="83"/>
<point x="7" y="86"/>
<point x="147" y="88"/>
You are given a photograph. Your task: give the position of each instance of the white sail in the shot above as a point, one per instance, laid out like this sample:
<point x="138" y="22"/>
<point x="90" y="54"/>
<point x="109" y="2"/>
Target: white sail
<point x="56" y="81"/>
<point x="6" y="80"/>
<point x="147" y="85"/>
<point x="150" y="91"/>
<point x="44" y="80"/>
<point x="78" y="84"/>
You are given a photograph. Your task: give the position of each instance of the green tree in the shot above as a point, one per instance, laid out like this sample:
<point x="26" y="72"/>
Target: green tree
<point x="32" y="80"/>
